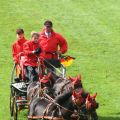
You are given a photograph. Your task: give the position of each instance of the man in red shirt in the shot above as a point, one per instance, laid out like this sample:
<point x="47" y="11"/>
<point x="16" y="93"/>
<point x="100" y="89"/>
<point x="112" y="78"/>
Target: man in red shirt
<point x="52" y="44"/>
<point x="17" y="46"/>
<point x="31" y="52"/>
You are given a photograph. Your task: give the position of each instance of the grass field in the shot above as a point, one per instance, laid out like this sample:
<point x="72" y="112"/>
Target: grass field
<point x="92" y="29"/>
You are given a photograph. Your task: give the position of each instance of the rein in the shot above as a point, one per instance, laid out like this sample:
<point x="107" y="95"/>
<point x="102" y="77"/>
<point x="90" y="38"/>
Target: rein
<point x="37" y="89"/>
<point x="52" y="66"/>
<point x="64" y="85"/>
<point x="52" y="100"/>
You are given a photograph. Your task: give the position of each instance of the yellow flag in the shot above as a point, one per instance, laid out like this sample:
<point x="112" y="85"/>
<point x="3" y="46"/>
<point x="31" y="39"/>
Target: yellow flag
<point x="67" y="61"/>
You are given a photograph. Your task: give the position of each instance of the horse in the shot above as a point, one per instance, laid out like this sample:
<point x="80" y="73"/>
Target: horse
<point x="78" y="100"/>
<point x="63" y="106"/>
<point x="85" y="102"/>
<point x="88" y="111"/>
<point x="35" y="88"/>
<point x="65" y="84"/>
<point x="54" y="85"/>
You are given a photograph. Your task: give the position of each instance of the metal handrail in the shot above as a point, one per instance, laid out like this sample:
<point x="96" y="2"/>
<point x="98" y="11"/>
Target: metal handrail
<point x="12" y="74"/>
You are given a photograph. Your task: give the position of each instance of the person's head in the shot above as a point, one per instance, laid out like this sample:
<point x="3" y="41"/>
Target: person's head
<point x="35" y="36"/>
<point x="20" y="33"/>
<point x="48" y="25"/>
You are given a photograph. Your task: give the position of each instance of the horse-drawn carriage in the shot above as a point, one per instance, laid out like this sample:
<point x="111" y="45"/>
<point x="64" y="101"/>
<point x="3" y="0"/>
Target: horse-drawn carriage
<point x="18" y="87"/>
<point x="59" y="98"/>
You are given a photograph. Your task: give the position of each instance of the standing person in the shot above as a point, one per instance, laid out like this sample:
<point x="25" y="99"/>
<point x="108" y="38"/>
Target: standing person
<point x="52" y="44"/>
<point x="17" y="46"/>
<point x="32" y="51"/>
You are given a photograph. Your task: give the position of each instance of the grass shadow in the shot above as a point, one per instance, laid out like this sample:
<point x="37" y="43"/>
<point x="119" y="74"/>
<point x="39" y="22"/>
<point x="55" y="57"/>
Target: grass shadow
<point x="108" y="118"/>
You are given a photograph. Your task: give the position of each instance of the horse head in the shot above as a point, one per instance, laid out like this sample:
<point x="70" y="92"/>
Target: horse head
<point x="91" y="103"/>
<point x="76" y="82"/>
<point x="78" y="97"/>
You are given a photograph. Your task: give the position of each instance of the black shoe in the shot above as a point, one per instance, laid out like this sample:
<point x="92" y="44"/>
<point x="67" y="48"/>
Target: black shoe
<point x="16" y="79"/>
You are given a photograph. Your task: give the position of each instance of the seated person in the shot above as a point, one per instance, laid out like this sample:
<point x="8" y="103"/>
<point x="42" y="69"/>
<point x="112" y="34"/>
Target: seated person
<point x="32" y="52"/>
<point x="17" y="46"/>
<point x="17" y="51"/>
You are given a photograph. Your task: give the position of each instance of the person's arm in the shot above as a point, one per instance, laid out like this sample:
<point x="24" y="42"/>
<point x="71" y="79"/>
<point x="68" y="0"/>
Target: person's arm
<point x="26" y="49"/>
<point x="62" y="43"/>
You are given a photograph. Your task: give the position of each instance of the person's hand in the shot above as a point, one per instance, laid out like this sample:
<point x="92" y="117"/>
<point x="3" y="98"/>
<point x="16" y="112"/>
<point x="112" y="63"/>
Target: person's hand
<point x="20" y="54"/>
<point x="16" y="63"/>
<point x="37" y="51"/>
<point x="59" y="52"/>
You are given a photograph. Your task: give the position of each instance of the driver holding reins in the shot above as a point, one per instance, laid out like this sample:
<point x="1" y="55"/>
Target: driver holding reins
<point x="52" y="44"/>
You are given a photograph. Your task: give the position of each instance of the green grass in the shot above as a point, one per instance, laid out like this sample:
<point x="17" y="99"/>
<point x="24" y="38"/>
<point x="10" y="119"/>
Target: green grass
<point x="92" y="29"/>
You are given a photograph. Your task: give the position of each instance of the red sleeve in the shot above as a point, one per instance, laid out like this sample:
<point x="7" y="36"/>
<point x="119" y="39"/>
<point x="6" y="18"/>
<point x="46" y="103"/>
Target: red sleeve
<point x="26" y="49"/>
<point x="14" y="53"/>
<point x="62" y="43"/>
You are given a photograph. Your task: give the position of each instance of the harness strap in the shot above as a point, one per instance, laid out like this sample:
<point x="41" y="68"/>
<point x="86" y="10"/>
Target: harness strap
<point x="52" y="66"/>
<point x="46" y="110"/>
<point x="64" y="86"/>
<point x="51" y="99"/>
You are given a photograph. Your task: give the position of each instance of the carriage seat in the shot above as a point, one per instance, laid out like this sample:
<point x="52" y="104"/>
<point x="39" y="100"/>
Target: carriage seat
<point x="21" y="86"/>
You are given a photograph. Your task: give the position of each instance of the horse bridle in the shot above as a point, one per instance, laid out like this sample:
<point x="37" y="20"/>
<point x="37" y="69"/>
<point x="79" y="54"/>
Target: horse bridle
<point x="64" y="86"/>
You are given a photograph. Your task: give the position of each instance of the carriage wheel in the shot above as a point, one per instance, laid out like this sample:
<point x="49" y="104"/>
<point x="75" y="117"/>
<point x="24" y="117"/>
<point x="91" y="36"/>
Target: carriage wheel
<point x="11" y="102"/>
<point x="15" y="109"/>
